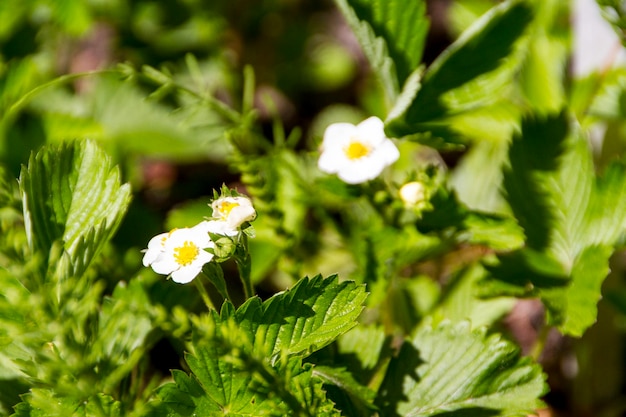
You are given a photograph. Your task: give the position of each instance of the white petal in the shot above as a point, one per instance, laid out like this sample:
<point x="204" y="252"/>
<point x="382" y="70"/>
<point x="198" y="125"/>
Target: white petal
<point x="186" y="274"/>
<point x="371" y="131"/>
<point x="165" y="264"/>
<point x="196" y="235"/>
<point x="387" y="152"/>
<point x="240" y="215"/>
<point x="155" y="247"/>
<point x="157" y="241"/>
<point x="203" y="258"/>
<point x="331" y="160"/>
<point x="150" y="256"/>
<point x="243" y="212"/>
<point x="361" y="171"/>
<point x="337" y="135"/>
<point x="203" y="226"/>
<point x="220" y="227"/>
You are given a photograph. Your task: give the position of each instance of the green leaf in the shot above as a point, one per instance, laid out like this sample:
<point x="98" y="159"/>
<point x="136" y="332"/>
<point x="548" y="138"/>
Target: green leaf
<point x="360" y="398"/>
<point x="125" y="322"/>
<point x="12" y="12"/>
<point x="543" y="71"/>
<point x="531" y="172"/>
<point x="477" y="178"/>
<point x="118" y="116"/>
<point x="364" y="344"/>
<point x="17" y="78"/>
<point x="228" y="377"/>
<point x="575" y="308"/>
<point x="305" y="318"/>
<point x="72" y="193"/>
<point x="10" y="390"/>
<point x="72" y="15"/>
<point x="249" y="361"/>
<point x="392" y="34"/>
<point x="227" y="386"/>
<point x="462" y="301"/>
<point x="498" y="232"/>
<point x="459" y="77"/>
<point x="451" y="370"/>
<point x="571" y="219"/>
<point x="46" y="403"/>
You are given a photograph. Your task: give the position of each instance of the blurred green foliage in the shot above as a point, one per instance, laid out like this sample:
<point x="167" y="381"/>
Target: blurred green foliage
<point x="119" y="119"/>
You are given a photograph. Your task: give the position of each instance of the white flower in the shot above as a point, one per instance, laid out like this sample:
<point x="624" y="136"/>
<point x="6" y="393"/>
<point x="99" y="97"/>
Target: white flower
<point x="233" y="212"/>
<point x="179" y="253"/>
<point x="412" y="193"/>
<point x="218" y="227"/>
<point x="357" y="153"/>
<point x="156" y="246"/>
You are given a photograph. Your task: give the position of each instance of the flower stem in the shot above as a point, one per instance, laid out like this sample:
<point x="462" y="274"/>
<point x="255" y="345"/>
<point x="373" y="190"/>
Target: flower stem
<point x="540" y="343"/>
<point x="204" y="294"/>
<point x="244" y="266"/>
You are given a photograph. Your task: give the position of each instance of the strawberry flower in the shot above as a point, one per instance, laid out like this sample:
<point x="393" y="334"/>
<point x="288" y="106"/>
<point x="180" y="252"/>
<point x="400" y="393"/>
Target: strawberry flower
<point x="357" y="153"/>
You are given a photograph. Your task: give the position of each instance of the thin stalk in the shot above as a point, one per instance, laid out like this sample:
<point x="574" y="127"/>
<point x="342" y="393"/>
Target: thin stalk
<point x="540" y="343"/>
<point x="28" y="96"/>
<point x="244" y="266"/>
<point x="203" y="293"/>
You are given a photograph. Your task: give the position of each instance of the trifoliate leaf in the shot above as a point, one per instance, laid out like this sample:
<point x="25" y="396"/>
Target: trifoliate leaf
<point x="460" y="77"/>
<point x="570" y="217"/>
<point x="305" y="318"/>
<point x="72" y="193"/>
<point x="248" y="362"/>
<point x="392" y="34"/>
<point x="451" y="370"/>
<point x="228" y="379"/>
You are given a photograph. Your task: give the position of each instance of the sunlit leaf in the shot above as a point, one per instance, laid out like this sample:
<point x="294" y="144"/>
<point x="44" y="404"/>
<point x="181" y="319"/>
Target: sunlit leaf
<point x="249" y="360"/>
<point x="392" y="35"/>
<point x="570" y="217"/>
<point x="72" y="193"/>
<point x="44" y="402"/>
<point x="459" y="77"/>
<point x="451" y="370"/>
<point x="544" y="67"/>
<point x="306" y="318"/>
<point x="462" y="301"/>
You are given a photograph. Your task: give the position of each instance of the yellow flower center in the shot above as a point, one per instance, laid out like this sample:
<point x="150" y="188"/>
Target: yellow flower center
<point x="226" y="207"/>
<point x="356" y="150"/>
<point x="184" y="255"/>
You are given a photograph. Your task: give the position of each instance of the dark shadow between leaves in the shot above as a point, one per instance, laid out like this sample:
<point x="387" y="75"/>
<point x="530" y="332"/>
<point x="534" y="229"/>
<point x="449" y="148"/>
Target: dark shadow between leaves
<point x="529" y="269"/>
<point x="10" y="391"/>
<point x="469" y="412"/>
<point x="400" y="368"/>
<point x="537" y="149"/>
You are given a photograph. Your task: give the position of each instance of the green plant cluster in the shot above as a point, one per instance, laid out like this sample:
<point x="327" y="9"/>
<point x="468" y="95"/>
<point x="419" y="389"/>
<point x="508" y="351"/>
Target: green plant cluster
<point x="367" y="304"/>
